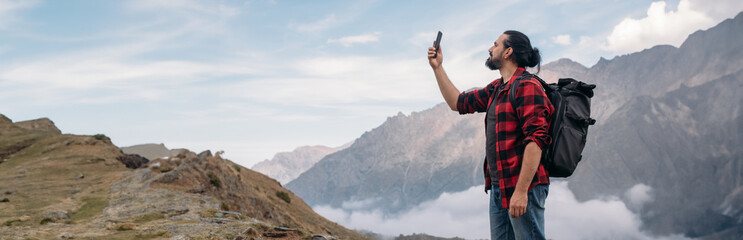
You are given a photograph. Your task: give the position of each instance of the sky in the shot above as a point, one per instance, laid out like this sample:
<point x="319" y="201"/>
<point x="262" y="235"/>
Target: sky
<point x="254" y="78"/>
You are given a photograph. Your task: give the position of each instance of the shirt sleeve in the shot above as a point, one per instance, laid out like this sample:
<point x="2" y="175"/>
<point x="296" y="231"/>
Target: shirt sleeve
<point x="475" y="100"/>
<point x="534" y="110"/>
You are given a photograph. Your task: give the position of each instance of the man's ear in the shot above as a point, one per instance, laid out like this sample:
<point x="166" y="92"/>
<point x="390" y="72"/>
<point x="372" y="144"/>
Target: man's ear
<point x="508" y="52"/>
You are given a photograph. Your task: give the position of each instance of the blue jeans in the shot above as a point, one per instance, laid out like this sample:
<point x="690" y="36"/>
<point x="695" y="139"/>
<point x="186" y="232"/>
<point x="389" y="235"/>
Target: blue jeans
<point x="527" y="226"/>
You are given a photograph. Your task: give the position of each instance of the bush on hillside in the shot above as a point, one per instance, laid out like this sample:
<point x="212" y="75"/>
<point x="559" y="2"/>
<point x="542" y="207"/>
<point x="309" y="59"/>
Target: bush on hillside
<point x="284" y="196"/>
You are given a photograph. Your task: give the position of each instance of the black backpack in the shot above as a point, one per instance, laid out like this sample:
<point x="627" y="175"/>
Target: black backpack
<point x="569" y="124"/>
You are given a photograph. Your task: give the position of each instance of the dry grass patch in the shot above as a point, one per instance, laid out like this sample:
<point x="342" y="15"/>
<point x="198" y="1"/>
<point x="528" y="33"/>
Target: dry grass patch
<point x="91" y="206"/>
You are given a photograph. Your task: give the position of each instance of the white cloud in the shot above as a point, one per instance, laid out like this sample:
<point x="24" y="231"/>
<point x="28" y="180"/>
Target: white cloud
<point x="335" y="81"/>
<point x="462" y="214"/>
<point x="718" y="9"/>
<point x="562" y="39"/>
<point x="638" y="195"/>
<point x="465" y="214"/>
<point x="658" y="27"/>
<point x="319" y="25"/>
<point x="8" y="8"/>
<point x="350" y="40"/>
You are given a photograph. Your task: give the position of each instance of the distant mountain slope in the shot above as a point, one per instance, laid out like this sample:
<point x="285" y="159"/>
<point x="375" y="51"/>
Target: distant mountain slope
<point x="286" y="166"/>
<point x="406" y="160"/>
<point x="668" y="118"/>
<point x="67" y="186"/>
<point x="685" y="145"/>
<point x="151" y="151"/>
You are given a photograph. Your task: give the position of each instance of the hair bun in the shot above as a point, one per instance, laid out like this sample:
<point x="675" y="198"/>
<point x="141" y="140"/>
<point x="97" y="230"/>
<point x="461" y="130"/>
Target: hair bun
<point x="534" y="58"/>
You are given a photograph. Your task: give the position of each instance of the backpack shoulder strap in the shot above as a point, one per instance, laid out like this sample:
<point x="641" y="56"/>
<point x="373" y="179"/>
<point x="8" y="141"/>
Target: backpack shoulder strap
<point x="515" y="85"/>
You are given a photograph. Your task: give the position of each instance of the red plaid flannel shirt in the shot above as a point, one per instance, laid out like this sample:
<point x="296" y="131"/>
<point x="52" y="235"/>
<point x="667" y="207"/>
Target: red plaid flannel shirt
<point x="530" y="123"/>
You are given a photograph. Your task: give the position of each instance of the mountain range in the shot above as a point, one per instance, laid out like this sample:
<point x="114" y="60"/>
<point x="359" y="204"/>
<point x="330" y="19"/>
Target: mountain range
<point x="668" y="117"/>
<point x="286" y="166"/>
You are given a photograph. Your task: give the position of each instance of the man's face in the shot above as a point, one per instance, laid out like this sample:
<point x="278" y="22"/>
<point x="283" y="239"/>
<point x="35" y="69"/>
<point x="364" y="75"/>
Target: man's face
<point x="495" y="61"/>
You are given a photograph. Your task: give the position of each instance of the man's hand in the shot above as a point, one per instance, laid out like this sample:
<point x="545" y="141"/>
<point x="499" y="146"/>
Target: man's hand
<point x="518" y="204"/>
<point x="435" y="62"/>
<point x="532" y="155"/>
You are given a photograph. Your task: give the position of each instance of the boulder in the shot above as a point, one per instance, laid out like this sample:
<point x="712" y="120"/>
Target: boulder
<point x="133" y="161"/>
<point x="55" y="214"/>
<point x="203" y="155"/>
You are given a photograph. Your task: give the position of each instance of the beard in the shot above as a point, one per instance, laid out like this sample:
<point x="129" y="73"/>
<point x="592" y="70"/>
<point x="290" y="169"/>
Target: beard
<point x="493" y="64"/>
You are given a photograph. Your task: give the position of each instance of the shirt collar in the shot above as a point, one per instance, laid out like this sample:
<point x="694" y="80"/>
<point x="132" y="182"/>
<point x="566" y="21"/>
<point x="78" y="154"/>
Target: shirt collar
<point x="516" y="74"/>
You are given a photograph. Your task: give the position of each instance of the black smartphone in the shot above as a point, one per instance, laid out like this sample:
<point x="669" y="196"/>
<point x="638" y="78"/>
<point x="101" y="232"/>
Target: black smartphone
<point x="436" y="44"/>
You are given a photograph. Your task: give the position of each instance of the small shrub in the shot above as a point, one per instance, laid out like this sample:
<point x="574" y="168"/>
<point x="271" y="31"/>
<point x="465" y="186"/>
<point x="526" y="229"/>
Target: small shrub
<point x="236" y="167"/>
<point x="10" y="222"/>
<point x="5" y="200"/>
<point x="125" y="227"/>
<point x="45" y="221"/>
<point x="224" y="207"/>
<point x="8" y="192"/>
<point x="213" y="179"/>
<point x="102" y="137"/>
<point x="284" y="196"/>
<point x="166" y="169"/>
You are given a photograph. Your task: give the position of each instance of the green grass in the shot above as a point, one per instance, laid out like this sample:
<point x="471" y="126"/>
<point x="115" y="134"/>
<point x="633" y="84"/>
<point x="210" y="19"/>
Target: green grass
<point x="92" y="206"/>
<point x="149" y="217"/>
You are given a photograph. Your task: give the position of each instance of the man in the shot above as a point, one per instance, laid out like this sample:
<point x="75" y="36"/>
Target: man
<point x="516" y="132"/>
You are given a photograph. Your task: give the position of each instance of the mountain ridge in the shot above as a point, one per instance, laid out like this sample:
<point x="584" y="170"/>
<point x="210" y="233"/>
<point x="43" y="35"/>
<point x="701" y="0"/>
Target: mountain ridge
<point x="70" y="186"/>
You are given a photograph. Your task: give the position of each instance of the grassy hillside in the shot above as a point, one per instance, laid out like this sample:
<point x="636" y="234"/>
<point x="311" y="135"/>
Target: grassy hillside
<point x="56" y="185"/>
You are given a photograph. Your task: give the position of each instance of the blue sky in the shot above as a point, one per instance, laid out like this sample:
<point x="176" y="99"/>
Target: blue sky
<point x="254" y="78"/>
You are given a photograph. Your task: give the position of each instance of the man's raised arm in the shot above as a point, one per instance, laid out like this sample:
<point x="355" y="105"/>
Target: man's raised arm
<point x="448" y="90"/>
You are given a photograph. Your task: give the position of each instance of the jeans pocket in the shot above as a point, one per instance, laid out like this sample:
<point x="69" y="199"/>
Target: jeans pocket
<point x="540" y="195"/>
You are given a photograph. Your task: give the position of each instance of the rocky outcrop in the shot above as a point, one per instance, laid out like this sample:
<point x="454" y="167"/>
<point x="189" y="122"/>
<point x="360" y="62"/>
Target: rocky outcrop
<point x="132" y="161"/>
